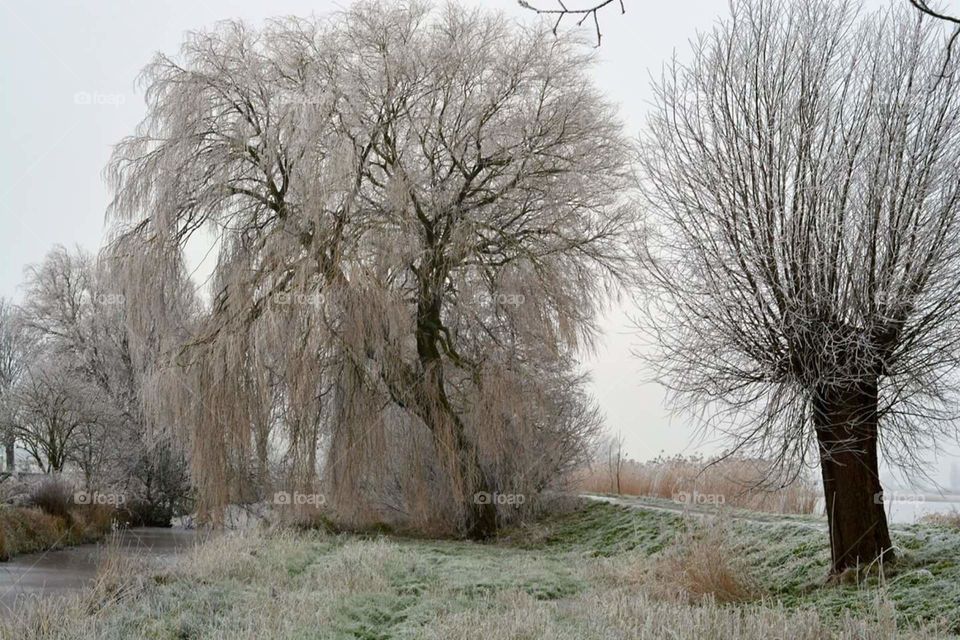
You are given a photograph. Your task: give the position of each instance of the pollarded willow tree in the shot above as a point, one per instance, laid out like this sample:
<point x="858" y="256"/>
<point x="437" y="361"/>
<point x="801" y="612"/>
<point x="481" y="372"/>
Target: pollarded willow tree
<point x="804" y="167"/>
<point x="419" y="213"/>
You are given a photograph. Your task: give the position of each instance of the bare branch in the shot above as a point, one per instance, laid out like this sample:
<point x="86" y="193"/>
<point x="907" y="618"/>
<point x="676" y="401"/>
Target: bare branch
<point x="924" y="7"/>
<point x="584" y="13"/>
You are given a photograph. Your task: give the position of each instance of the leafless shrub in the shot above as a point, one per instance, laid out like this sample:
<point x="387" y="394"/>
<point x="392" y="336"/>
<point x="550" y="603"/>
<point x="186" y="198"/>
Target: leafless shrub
<point x="53" y="496"/>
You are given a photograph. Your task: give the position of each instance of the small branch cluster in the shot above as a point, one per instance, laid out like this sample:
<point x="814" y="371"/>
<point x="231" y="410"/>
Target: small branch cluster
<point x="924" y="7"/>
<point x="584" y="14"/>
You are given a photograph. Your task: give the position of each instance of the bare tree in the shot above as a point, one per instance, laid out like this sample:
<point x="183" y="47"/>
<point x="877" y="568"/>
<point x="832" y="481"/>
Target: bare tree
<point x="614" y="460"/>
<point x="78" y="320"/>
<point x="52" y="408"/>
<point x="802" y="171"/>
<point x="15" y="350"/>
<point x="413" y="226"/>
<point x="70" y="307"/>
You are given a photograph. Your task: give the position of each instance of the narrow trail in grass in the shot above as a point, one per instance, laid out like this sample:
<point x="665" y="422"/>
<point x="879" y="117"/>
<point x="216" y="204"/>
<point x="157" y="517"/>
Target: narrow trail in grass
<point x="816" y="523"/>
<point x="741" y="515"/>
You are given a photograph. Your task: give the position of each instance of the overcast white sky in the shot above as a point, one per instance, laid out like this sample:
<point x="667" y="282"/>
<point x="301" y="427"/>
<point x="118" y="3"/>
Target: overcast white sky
<point x="55" y="55"/>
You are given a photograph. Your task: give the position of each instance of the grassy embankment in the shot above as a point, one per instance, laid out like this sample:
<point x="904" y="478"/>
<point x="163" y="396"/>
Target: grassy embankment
<point x="599" y="572"/>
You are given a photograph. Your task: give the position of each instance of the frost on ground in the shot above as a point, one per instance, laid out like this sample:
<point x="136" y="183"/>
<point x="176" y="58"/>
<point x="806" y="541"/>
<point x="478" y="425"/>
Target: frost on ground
<point x="597" y="572"/>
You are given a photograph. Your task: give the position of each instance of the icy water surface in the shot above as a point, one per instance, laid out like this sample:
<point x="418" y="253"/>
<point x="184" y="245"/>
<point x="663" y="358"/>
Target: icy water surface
<point x="25" y="577"/>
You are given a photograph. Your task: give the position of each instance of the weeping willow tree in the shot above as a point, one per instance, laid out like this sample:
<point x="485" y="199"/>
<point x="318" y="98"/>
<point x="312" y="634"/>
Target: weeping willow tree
<point x="803" y="168"/>
<point x="417" y="216"/>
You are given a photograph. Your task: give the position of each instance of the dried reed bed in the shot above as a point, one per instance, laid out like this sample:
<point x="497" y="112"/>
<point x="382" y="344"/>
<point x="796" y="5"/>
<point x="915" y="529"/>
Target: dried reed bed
<point x="49" y="519"/>
<point x="30" y="529"/>
<point x="948" y="519"/>
<point x="733" y="481"/>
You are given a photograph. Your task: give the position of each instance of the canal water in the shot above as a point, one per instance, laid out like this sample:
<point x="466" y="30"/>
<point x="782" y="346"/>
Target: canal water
<point x="58" y="572"/>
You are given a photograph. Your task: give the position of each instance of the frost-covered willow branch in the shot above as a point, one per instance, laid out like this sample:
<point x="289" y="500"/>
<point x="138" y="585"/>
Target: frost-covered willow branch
<point x="804" y="168"/>
<point x="418" y="214"/>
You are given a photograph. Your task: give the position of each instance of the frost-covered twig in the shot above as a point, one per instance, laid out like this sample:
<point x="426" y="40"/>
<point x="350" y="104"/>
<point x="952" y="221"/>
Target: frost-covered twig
<point x="584" y="13"/>
<point x="924" y="7"/>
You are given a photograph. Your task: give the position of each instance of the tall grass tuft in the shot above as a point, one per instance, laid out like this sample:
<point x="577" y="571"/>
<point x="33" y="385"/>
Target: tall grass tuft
<point x="703" y="566"/>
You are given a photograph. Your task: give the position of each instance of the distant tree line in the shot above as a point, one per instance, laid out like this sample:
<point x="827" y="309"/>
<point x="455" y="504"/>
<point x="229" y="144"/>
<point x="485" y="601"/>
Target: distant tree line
<point x="70" y="389"/>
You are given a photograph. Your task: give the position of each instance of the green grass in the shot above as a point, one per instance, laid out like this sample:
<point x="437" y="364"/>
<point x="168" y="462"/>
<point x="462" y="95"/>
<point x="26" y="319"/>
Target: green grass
<point x="578" y="575"/>
<point x="790" y="560"/>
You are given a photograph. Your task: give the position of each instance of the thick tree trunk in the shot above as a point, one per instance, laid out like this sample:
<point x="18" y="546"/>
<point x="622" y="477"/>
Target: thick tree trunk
<point x="10" y="450"/>
<point x="845" y="418"/>
<point x="472" y="484"/>
<point x="481" y="511"/>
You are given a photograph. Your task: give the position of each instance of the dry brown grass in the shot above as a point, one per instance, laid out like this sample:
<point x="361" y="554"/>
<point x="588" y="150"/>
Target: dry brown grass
<point x="30" y="529"/>
<point x="736" y="482"/>
<point x="703" y="566"/>
<point x="23" y="530"/>
<point x="97" y="520"/>
<point x="120" y="576"/>
<point x="621" y="615"/>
